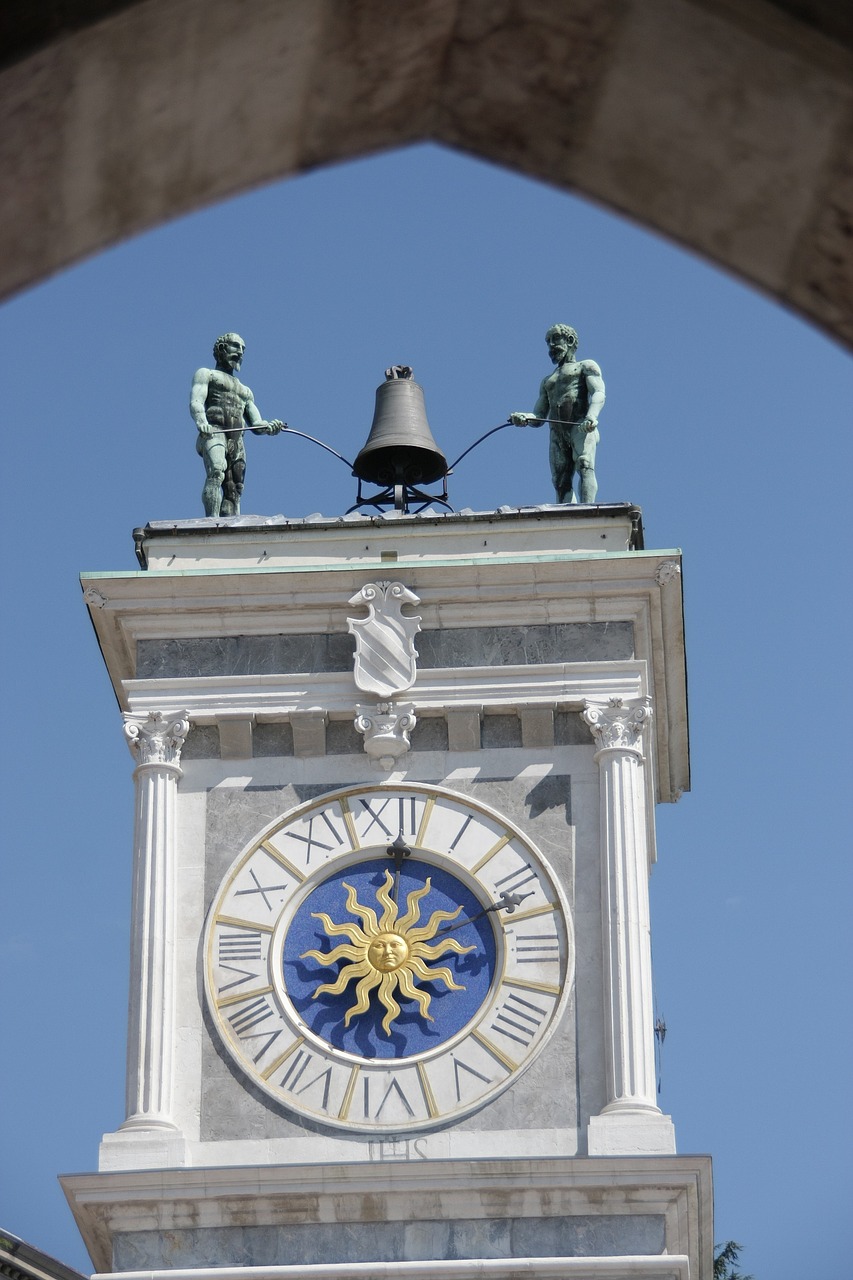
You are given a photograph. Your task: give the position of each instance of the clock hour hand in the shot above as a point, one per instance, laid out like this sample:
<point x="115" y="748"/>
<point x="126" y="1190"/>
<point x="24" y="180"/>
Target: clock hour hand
<point x="399" y="851"/>
<point x="507" y="902"/>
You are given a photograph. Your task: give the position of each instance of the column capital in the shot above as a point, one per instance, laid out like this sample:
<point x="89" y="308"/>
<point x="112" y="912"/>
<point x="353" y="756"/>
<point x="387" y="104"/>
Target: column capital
<point x="156" y="739"/>
<point x="619" y="724"/>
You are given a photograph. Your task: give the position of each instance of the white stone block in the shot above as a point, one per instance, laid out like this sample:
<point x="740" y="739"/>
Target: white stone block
<point x="463" y="729"/>
<point x="235" y="737"/>
<point x="624" y="1134"/>
<point x="309" y="732"/>
<point x="537" y="727"/>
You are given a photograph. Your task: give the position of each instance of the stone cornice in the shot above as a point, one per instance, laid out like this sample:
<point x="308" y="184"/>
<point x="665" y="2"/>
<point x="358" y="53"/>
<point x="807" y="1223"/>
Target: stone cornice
<point x="272" y="697"/>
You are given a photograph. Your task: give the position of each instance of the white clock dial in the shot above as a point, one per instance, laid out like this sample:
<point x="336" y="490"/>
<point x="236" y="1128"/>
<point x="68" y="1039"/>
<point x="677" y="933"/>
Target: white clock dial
<point x="387" y="958"/>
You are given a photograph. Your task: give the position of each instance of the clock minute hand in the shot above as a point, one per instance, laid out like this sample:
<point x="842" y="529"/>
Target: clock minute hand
<point x="507" y="902"/>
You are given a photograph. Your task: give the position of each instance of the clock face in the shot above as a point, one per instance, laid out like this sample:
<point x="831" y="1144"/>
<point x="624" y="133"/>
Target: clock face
<point x="388" y="958"/>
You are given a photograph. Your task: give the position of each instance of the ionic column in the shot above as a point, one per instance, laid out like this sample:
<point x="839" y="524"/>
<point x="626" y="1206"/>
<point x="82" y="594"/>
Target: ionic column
<point x="155" y="742"/>
<point x="618" y="730"/>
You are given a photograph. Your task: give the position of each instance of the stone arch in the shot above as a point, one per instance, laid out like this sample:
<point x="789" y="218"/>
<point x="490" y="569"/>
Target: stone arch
<point x="724" y="124"/>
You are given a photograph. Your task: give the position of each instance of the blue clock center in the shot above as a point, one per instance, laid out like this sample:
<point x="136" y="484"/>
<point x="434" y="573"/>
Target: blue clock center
<point x="384" y="970"/>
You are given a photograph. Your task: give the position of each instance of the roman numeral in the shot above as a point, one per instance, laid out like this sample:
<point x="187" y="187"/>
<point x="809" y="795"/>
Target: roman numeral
<point x="531" y="948"/>
<point x="326" y="827"/>
<point x="460" y="833"/>
<point x="269" y="1038"/>
<point x="459" y="1065"/>
<point x="519" y="1019"/>
<point x="408" y="814"/>
<point x="393" y="1088"/>
<point x="251" y="1015"/>
<point x="240" y="951"/>
<point x="296" y="1070"/>
<point x="236" y="945"/>
<point x="262" y="889"/>
<point x="512" y="883"/>
<point x="403" y="808"/>
<point x="239" y="944"/>
<point x="376" y="818"/>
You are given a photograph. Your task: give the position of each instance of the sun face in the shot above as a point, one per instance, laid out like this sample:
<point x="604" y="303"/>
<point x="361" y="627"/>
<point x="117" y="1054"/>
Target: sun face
<point x="387" y="952"/>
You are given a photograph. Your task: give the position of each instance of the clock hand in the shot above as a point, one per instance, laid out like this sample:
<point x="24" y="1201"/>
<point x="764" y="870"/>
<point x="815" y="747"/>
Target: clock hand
<point x="508" y="902"/>
<point x="398" y="851"/>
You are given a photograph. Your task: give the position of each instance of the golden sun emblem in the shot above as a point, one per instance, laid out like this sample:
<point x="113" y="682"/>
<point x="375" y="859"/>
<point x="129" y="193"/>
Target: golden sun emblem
<point x="388" y="952"/>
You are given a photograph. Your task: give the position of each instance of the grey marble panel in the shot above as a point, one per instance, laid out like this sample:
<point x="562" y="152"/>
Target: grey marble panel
<point x="430" y="734"/>
<point x="453" y="647"/>
<point x="243" y="655"/>
<point x="202" y="743"/>
<point x="343" y="739"/>
<point x="500" y="646"/>
<point x="570" y="730"/>
<point x="500" y="731"/>
<point x="272" y="740"/>
<point x="311" y="1242"/>
<point x="464" y="1238"/>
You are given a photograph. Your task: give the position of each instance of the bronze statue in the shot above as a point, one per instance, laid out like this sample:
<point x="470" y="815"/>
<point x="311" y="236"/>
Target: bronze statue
<point x="570" y="399"/>
<point x="222" y="407"/>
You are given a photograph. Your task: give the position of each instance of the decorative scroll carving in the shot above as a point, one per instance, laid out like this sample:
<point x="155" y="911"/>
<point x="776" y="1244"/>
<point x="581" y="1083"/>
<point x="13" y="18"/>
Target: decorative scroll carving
<point x="94" y="598"/>
<point x="386" y="731"/>
<point x="667" y="572"/>
<point x="619" y="725"/>
<point x="157" y="739"/>
<point x="385" y="654"/>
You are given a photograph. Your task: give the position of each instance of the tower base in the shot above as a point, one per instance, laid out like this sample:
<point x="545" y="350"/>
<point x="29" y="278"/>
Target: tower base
<point x="607" y="1217"/>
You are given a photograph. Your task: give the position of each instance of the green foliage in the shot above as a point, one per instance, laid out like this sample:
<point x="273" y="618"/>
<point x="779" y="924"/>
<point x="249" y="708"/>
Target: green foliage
<point x="725" y="1262"/>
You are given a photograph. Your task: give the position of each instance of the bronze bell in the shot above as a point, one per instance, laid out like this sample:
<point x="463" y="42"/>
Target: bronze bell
<point x="400" y="449"/>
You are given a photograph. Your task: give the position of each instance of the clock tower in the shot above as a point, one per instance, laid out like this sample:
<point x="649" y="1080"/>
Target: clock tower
<point x="391" y="1001"/>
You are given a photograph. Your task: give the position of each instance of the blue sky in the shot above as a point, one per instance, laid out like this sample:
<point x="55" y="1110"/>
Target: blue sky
<point x="727" y="419"/>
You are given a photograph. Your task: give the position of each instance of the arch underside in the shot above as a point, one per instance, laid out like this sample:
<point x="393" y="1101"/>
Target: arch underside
<point x="725" y="125"/>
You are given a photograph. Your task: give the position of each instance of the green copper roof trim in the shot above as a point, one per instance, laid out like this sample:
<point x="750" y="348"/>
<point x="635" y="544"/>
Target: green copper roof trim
<point x="385" y="566"/>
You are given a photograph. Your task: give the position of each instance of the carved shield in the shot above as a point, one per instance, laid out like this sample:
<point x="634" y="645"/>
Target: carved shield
<point x="385" y="654"/>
